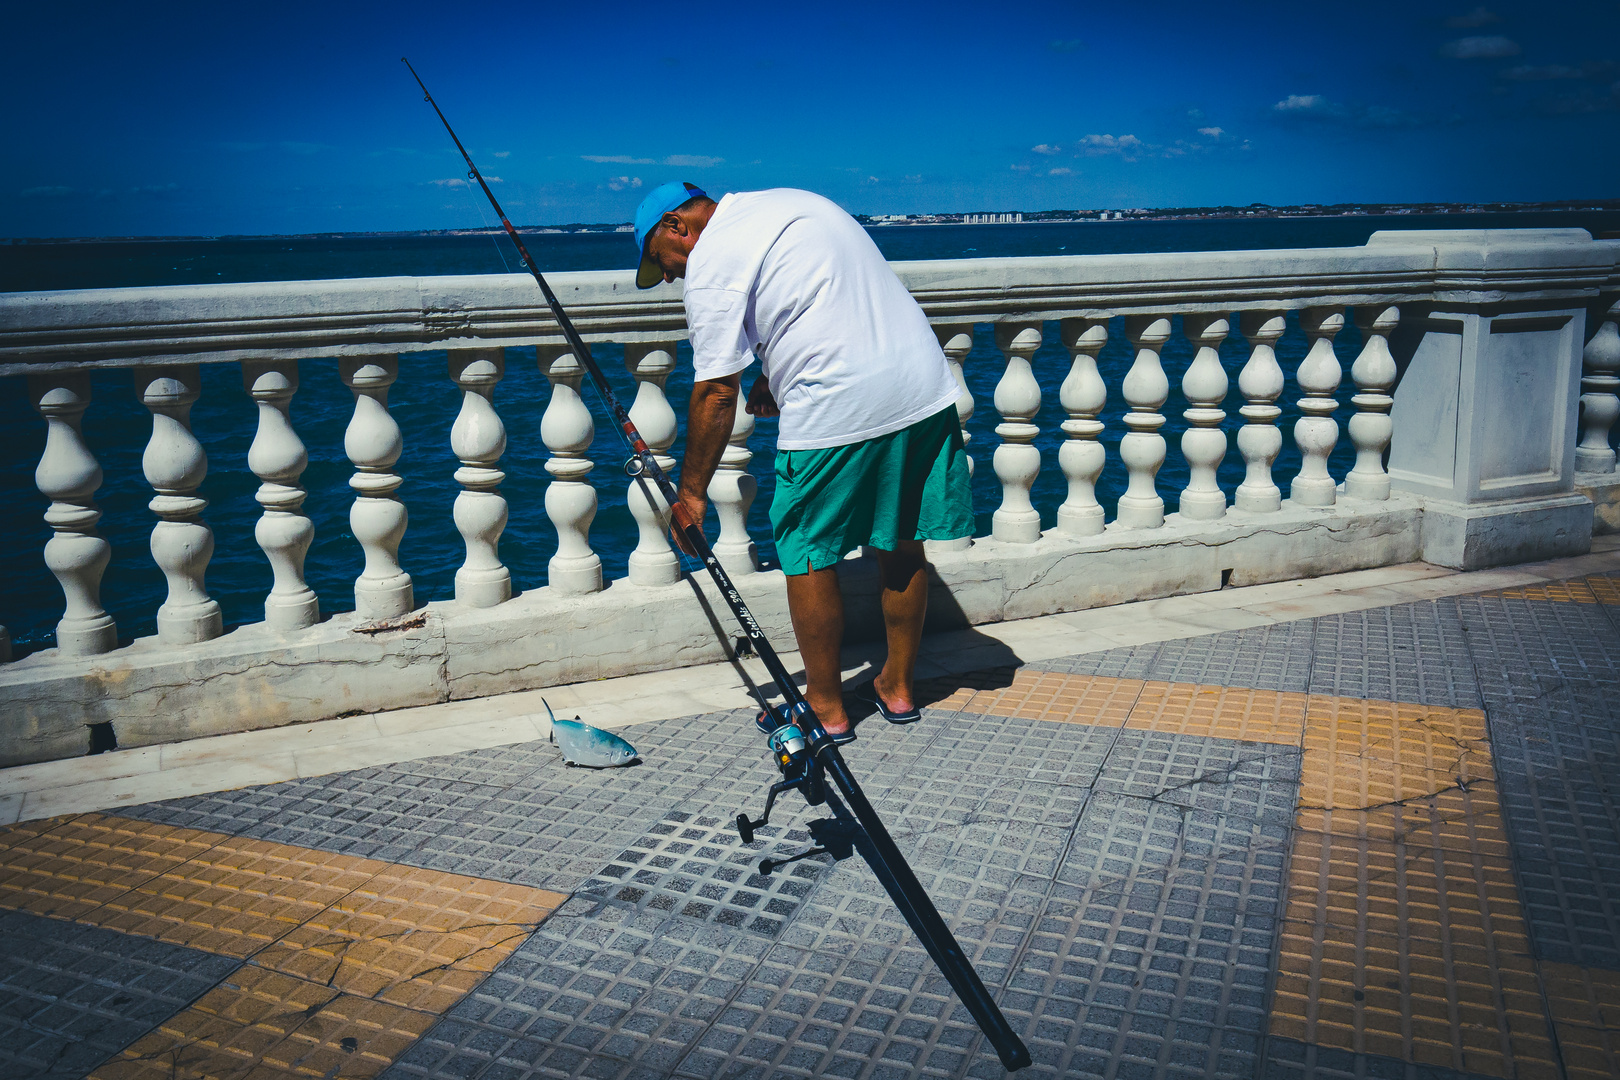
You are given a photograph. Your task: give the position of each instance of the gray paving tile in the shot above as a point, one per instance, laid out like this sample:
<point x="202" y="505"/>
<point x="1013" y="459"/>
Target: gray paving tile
<point x="1274" y="657"/>
<point x="1287" y="1059"/>
<point x="1557" y="778"/>
<point x="1255" y="781"/>
<point x="1529" y="652"/>
<point x="507" y="813"/>
<point x="1410" y="652"/>
<point x="875" y="1009"/>
<point x="971" y="748"/>
<point x="1129" y="662"/>
<point x="697" y="867"/>
<point x="599" y="990"/>
<point x="1152" y="956"/>
<point x="71" y="996"/>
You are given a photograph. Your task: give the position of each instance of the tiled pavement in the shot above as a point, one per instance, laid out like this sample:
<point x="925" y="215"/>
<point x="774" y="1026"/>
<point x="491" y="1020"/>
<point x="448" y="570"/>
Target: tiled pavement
<point x="1381" y="843"/>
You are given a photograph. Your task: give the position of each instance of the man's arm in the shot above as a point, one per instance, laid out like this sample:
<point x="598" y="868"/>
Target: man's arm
<point x="709" y="418"/>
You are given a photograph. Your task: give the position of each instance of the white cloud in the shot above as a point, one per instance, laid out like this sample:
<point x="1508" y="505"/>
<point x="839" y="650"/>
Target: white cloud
<point x="617" y="159"/>
<point x="1060" y="171"/>
<point x="454" y="181"/>
<point x="1315" y="107"/>
<point x="1474" y="19"/>
<point x="1019" y="168"/>
<point x="913" y="178"/>
<point x="1480" y="48"/>
<point x="504" y="153"/>
<point x="619" y="183"/>
<point x="1212" y="132"/>
<point x="1046" y="148"/>
<point x="692" y="161"/>
<point x="1125" y="146"/>
<point x="1301" y="103"/>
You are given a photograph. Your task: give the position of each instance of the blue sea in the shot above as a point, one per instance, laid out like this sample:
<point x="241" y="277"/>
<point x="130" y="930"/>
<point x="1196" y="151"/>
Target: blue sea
<point x="425" y="403"/>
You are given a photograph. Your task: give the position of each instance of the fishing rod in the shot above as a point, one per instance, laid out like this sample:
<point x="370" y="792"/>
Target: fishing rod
<point x="800" y="746"/>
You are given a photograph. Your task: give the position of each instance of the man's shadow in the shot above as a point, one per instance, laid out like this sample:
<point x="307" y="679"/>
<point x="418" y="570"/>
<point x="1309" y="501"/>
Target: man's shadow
<point x="954" y="653"/>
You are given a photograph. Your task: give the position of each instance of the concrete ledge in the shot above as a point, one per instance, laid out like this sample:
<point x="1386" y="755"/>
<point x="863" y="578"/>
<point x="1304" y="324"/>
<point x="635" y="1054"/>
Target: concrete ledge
<point x="254" y="678"/>
<point x="1604" y="491"/>
<point x="1480" y="535"/>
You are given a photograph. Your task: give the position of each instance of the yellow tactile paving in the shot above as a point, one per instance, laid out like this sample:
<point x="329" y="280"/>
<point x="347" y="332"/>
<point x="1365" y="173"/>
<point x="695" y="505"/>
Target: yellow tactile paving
<point x="81" y="863"/>
<point x="1051" y="695"/>
<point x="417" y="938"/>
<point x="1385" y="769"/>
<point x="349" y="960"/>
<point x="262" y="1023"/>
<point x="1419" y="956"/>
<point x="1596" y="589"/>
<point x="1585" y="1007"/>
<point x="1220" y="712"/>
<point x="1403" y="934"/>
<point x="238" y="896"/>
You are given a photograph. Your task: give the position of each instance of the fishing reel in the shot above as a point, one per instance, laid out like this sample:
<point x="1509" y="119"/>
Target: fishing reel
<point x="801" y="772"/>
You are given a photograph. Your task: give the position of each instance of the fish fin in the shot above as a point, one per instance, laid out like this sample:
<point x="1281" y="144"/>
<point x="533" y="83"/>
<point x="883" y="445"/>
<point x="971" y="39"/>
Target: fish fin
<point x="552" y="734"/>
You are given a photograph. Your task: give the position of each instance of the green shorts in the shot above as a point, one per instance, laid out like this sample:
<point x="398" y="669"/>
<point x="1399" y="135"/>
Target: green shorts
<point x="911" y="484"/>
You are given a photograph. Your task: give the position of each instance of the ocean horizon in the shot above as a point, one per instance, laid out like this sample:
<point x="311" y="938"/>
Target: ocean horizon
<point x="425" y="402"/>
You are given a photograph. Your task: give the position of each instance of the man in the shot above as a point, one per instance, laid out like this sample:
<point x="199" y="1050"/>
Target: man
<point x="869" y="450"/>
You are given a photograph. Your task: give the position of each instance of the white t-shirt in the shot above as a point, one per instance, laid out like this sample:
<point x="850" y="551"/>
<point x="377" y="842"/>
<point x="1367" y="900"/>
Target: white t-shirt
<point x="846" y="351"/>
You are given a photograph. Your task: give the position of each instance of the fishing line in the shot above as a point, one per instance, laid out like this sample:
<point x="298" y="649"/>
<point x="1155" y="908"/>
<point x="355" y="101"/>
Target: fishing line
<point x="494" y="236"/>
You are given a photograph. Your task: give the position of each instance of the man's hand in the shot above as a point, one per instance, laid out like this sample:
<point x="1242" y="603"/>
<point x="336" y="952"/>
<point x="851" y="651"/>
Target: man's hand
<point x="760" y="401"/>
<point x="696" y="506"/>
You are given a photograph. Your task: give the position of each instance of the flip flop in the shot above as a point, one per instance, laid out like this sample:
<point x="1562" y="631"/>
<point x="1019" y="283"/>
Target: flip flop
<point x="769" y="720"/>
<point x="869" y="694"/>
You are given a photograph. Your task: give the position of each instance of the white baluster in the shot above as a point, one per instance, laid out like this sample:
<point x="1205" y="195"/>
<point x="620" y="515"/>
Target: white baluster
<point x="1203" y="444"/>
<point x="478" y="439"/>
<point x="68" y="475"/>
<point x="1317" y="432"/>
<point x="1082" y="457"/>
<point x="654" y="561"/>
<point x="1017" y="462"/>
<point x="567" y="430"/>
<point x="378" y="517"/>
<point x="1259" y="440"/>
<point x="1371" y="427"/>
<point x="1143" y="448"/>
<point x="1600" y="408"/>
<point x="732" y="491"/>
<point x="278" y="458"/>
<point x="175" y="466"/>
<point x="956" y="342"/>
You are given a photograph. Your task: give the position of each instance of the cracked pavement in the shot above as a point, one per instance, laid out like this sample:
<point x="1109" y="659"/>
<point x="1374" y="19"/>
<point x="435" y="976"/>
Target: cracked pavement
<point x="1377" y="843"/>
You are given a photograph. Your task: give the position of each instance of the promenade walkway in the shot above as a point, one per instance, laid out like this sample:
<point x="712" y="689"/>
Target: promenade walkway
<point x="1360" y="826"/>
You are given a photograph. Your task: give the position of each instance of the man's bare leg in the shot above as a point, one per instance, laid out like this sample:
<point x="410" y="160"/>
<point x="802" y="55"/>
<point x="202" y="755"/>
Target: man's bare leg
<point x="817" y="608"/>
<point x="905" y="603"/>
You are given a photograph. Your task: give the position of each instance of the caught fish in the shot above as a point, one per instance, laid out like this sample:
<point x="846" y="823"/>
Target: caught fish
<point x="591" y="747"/>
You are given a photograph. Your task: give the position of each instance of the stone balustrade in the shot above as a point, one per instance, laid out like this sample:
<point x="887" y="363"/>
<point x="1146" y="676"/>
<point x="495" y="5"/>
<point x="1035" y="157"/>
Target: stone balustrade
<point x="1481" y="425"/>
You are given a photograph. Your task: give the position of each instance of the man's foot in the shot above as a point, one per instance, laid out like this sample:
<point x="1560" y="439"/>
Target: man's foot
<point x="907" y="713"/>
<point x="837" y="724"/>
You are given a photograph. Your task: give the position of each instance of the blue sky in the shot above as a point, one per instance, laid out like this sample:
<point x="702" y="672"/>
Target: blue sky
<point x="200" y="119"/>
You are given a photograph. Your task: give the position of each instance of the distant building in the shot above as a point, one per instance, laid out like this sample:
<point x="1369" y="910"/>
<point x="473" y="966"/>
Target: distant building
<point x="992" y="219"/>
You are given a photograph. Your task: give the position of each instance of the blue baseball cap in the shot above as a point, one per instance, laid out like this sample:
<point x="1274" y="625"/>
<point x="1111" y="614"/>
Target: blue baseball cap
<point x="659" y="201"/>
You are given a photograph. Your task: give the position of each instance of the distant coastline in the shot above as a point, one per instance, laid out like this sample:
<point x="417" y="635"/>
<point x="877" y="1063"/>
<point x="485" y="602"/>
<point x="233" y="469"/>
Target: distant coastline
<point x="992" y="217"/>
